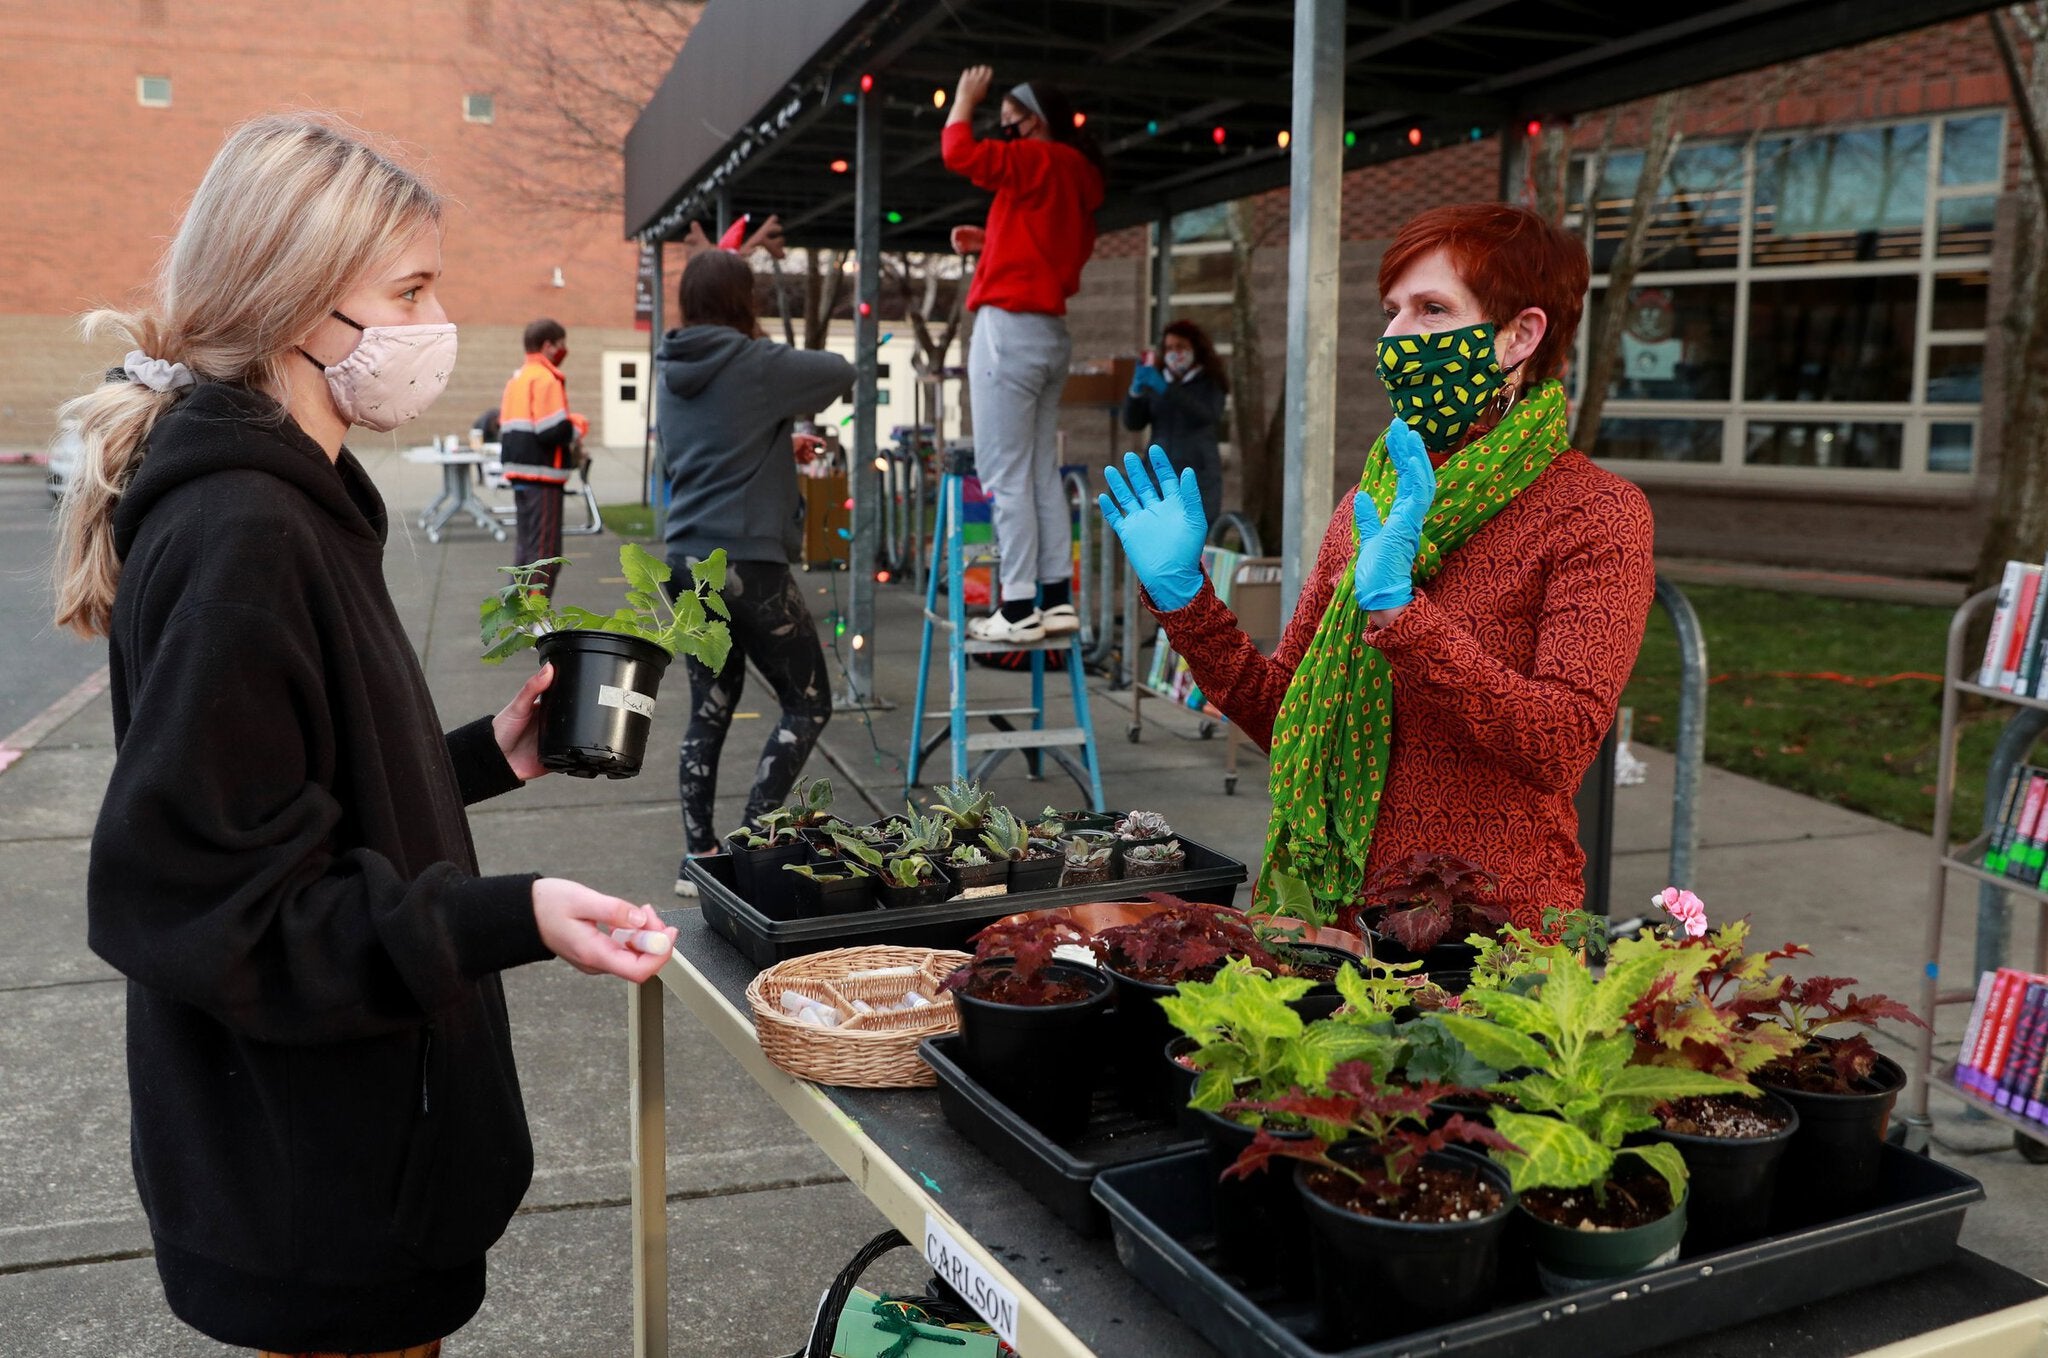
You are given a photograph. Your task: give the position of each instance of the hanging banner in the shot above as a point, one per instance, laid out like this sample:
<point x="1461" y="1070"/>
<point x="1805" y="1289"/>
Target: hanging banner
<point x="643" y="289"/>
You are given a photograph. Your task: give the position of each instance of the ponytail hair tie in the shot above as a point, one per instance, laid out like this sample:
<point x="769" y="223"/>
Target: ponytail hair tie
<point x="156" y="374"/>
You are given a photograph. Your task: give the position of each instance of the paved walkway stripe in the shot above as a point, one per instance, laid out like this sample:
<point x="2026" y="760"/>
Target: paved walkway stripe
<point x="30" y="733"/>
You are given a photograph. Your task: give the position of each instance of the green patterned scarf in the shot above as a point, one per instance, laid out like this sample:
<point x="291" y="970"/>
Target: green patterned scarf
<point x="1335" y="726"/>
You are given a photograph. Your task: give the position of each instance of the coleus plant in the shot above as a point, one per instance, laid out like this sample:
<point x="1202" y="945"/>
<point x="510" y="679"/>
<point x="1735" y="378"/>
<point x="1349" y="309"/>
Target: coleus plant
<point x="1390" y="1121"/>
<point x="1250" y="1041"/>
<point x="1028" y="944"/>
<point x="1580" y="1094"/>
<point x="1183" y="941"/>
<point x="521" y="613"/>
<point x="1819" y="1062"/>
<point x="1418" y="900"/>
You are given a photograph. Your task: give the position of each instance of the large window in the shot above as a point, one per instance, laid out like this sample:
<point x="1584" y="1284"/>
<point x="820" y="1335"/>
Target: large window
<point x="1808" y="304"/>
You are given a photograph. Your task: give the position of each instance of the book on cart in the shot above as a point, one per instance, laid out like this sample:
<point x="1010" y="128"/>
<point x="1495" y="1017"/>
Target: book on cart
<point x="2005" y="1044"/>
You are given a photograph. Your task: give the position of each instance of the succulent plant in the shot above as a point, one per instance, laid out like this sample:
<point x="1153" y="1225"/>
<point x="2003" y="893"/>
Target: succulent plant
<point x="928" y="833"/>
<point x="968" y="856"/>
<point x="1005" y="836"/>
<point x="1143" y="825"/>
<point x="1089" y="854"/>
<point x="964" y="805"/>
<point x="1153" y="853"/>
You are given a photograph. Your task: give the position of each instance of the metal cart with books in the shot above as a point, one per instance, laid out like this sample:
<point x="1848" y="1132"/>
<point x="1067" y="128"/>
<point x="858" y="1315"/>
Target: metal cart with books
<point x="2030" y="1137"/>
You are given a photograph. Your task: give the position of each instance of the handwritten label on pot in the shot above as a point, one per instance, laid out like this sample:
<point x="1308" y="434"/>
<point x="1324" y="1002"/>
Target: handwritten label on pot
<point x="611" y="695"/>
<point x="992" y="1301"/>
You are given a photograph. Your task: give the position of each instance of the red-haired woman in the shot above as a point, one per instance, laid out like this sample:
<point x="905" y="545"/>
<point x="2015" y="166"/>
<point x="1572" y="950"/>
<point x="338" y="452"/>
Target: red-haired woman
<point x="1458" y="648"/>
<point x="1182" y="399"/>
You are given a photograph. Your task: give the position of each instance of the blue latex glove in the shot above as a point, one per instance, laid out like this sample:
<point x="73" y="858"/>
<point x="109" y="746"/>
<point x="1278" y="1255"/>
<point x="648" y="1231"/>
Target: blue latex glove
<point x="1385" y="575"/>
<point x="1148" y="380"/>
<point x="1162" y="526"/>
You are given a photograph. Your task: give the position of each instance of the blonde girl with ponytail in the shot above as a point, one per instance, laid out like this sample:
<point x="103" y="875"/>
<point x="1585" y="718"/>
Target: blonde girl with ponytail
<point x="327" y="1127"/>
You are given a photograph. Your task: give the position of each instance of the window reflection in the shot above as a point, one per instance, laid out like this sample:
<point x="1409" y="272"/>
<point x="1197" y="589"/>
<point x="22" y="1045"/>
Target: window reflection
<point x="1951" y="447"/>
<point x="1677" y="343"/>
<point x="1855" y="195"/>
<point x="1972" y="150"/>
<point x="1961" y="301"/>
<point x="1648" y="440"/>
<point x="1955" y="373"/>
<point x="1697" y="220"/>
<point x="1963" y="225"/>
<point x="1831" y="339"/>
<point x="1784" y="443"/>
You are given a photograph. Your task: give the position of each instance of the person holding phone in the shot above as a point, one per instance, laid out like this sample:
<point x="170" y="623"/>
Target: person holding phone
<point x="1181" y="398"/>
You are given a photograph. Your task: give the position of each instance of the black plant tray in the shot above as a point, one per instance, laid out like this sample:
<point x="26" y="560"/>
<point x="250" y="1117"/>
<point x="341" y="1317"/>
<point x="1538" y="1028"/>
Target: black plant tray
<point x="1058" y="1174"/>
<point x="1160" y="1212"/>
<point x="1209" y="877"/>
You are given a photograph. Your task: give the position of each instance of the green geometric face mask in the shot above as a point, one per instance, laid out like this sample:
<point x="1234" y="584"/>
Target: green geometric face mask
<point x="1440" y="383"/>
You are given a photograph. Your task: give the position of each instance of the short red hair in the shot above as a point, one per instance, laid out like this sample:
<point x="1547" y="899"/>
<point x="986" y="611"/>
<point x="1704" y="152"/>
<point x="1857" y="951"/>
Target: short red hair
<point x="1512" y="258"/>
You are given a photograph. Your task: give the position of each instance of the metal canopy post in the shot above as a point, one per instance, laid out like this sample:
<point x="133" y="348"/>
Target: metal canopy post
<point x="863" y="483"/>
<point x="654" y="332"/>
<point x="723" y="203"/>
<point x="1315" y="190"/>
<point x="1162" y="281"/>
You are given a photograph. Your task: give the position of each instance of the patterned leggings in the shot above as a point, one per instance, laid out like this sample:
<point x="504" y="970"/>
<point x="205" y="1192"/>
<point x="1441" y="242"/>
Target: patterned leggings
<point x="770" y="626"/>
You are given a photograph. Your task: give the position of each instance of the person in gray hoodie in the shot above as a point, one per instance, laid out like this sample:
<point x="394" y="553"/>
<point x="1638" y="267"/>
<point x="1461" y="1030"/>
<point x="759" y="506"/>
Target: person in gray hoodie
<point x="726" y="403"/>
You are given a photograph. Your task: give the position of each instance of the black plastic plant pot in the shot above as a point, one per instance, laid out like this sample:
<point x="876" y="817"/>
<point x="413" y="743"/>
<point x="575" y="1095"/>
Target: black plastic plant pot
<point x="1446" y="955"/>
<point x="595" y="716"/>
<point x="1037" y="873"/>
<point x="1830" y="1166"/>
<point x="815" y="899"/>
<point x="758" y="875"/>
<point x="895" y="897"/>
<point x="1139" y="1029"/>
<point x="1180" y="1085"/>
<point x="1040" y="1060"/>
<point x="1324" y="1000"/>
<point x="1377" y="1277"/>
<point x="1732" y="1181"/>
<point x="973" y="876"/>
<point x="1262" y="1230"/>
<point x="1087" y="820"/>
<point x="1568" y="1259"/>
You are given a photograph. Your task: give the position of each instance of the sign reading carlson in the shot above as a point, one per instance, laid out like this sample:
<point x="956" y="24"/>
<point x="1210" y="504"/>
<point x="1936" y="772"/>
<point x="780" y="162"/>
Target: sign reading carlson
<point x="991" y="1300"/>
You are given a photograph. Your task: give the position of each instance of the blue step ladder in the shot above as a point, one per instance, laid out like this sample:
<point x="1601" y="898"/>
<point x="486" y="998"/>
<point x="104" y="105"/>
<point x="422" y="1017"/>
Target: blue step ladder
<point x="949" y="561"/>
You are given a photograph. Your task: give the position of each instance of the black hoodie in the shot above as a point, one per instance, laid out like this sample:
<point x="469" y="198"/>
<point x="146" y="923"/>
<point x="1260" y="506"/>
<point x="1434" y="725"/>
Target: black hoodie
<point x="327" y="1131"/>
<point x="725" y="409"/>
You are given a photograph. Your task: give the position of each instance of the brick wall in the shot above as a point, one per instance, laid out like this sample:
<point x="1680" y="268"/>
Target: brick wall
<point x="99" y="181"/>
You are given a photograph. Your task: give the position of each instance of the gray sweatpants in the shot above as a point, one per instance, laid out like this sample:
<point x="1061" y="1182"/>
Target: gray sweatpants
<point x="1016" y="369"/>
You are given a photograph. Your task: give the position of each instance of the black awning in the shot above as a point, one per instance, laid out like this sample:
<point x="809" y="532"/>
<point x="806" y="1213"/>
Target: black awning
<point x="760" y="100"/>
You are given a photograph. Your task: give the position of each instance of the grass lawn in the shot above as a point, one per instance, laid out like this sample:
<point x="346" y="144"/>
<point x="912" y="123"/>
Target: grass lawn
<point x="635" y="523"/>
<point x="1869" y="749"/>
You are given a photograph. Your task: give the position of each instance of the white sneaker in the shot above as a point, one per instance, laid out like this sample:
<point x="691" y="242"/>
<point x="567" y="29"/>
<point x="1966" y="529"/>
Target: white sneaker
<point x="685" y="887"/>
<point x="1061" y="620"/>
<point x="996" y="627"/>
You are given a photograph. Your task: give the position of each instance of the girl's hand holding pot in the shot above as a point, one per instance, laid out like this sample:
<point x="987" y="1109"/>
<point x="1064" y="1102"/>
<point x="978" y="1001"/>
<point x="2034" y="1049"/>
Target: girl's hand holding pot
<point x="517" y="726"/>
<point x="1162" y="526"/>
<point x="577" y="924"/>
<point x="1384" y="578"/>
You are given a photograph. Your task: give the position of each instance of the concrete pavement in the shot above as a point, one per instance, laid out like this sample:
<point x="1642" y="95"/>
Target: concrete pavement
<point x="760" y="1220"/>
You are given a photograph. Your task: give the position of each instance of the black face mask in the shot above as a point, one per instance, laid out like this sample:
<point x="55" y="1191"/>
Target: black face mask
<point x="1011" y="131"/>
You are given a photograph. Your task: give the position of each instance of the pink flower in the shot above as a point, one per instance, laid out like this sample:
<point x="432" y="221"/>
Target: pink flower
<point x="1684" y="907"/>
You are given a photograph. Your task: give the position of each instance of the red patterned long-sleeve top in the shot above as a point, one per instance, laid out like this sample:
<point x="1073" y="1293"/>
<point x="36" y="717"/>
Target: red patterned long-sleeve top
<point x="1507" y="670"/>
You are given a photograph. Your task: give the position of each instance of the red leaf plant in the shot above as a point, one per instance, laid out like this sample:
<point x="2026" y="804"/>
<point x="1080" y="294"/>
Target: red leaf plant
<point x="1390" y="1121"/>
<point x="1027" y="945"/>
<point x="1183" y="942"/>
<point x="1822" y="1064"/>
<point x="1418" y="900"/>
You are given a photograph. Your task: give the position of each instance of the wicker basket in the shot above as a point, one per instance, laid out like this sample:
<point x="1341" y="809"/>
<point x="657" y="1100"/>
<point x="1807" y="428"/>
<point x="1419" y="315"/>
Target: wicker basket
<point x="866" y="1051"/>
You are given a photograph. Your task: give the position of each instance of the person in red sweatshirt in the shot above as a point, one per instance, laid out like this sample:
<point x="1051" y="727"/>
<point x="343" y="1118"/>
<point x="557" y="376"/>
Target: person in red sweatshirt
<point x="1464" y="634"/>
<point x="1047" y="177"/>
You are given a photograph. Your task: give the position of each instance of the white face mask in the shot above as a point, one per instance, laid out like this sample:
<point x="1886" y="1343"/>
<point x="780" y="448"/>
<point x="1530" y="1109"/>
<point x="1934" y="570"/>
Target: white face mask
<point x="392" y="375"/>
<point x="1179" y="361"/>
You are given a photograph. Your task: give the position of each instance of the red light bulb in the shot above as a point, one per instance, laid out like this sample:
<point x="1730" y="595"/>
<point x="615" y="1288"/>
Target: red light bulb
<point x="1535" y="128"/>
<point x="1216" y="135"/>
<point x="867" y="83"/>
<point x="838" y="167"/>
<point x="1415" y="136"/>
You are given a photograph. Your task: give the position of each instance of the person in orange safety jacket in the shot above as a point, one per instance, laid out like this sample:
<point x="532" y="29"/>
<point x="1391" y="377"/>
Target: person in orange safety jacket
<point x="541" y="444"/>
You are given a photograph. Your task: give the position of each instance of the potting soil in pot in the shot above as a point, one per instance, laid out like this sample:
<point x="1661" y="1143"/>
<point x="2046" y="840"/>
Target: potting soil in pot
<point x="1728" y="1116"/>
<point x="1733" y="1145"/>
<point x="1427" y="1194"/>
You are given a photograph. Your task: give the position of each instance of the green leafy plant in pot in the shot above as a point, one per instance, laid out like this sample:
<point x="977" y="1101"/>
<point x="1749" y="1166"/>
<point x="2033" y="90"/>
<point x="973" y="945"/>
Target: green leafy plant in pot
<point x="1733" y="1144"/>
<point x="1425" y="906"/>
<point x="975" y="871"/>
<point x="834" y="888"/>
<point x="596" y="714"/>
<point x="759" y="853"/>
<point x="1250" y="1043"/>
<point x="912" y="878"/>
<point x="1030" y="1024"/>
<point x="964" y="805"/>
<point x="1407" y="1224"/>
<point x="1033" y="866"/>
<point x="1598" y="1208"/>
